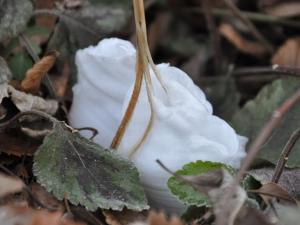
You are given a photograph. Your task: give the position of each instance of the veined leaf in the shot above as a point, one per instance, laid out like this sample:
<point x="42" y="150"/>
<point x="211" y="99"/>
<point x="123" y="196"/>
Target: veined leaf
<point x="185" y="192"/>
<point x="71" y="166"/>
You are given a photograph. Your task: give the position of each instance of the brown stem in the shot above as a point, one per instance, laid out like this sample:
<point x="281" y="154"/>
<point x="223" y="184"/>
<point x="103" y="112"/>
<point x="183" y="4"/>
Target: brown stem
<point x="267" y="70"/>
<point x="92" y="129"/>
<point x="266" y="131"/>
<point x="139" y="20"/>
<point x="6" y="124"/>
<point x="285" y="154"/>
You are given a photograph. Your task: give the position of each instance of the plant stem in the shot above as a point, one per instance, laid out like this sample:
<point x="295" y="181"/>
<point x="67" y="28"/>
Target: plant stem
<point x="285" y="154"/>
<point x="266" y="131"/>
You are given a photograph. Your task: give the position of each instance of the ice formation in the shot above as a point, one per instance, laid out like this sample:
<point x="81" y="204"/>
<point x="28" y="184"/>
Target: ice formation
<point x="184" y="129"/>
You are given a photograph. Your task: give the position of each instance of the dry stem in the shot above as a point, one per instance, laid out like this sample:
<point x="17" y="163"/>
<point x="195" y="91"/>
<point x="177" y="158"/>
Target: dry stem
<point x="285" y="155"/>
<point x="266" y="131"/>
<point x="143" y="61"/>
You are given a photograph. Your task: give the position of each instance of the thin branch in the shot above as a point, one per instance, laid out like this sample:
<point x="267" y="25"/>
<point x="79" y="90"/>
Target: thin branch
<point x="266" y="131"/>
<point x="267" y="70"/>
<point x="256" y="33"/>
<point x="6" y="124"/>
<point x="24" y="40"/>
<point x="285" y="155"/>
<point x="92" y="129"/>
<point x="256" y="17"/>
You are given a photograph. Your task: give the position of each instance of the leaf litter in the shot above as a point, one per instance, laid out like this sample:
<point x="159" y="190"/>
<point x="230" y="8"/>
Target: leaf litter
<point x="44" y="156"/>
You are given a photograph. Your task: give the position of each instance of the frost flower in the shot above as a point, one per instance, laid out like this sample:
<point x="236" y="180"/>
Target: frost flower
<point x="184" y="129"/>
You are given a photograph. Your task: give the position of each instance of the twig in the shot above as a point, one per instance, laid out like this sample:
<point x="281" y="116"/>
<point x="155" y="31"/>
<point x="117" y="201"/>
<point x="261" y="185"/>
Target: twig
<point x="36" y="58"/>
<point x="236" y="12"/>
<point x="214" y="33"/>
<point x="257" y="17"/>
<point x="268" y="70"/>
<point x="26" y="113"/>
<point x="285" y="155"/>
<point x="266" y="131"/>
<point x="92" y="129"/>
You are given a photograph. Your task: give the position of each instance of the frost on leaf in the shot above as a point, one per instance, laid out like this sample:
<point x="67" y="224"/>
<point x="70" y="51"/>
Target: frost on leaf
<point x="70" y="165"/>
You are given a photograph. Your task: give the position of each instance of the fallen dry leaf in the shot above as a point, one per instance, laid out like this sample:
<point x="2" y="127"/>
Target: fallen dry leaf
<point x="245" y="46"/>
<point x="27" y="102"/>
<point x="159" y="218"/>
<point x="9" y="185"/>
<point x="124" y="217"/>
<point x="284" y="9"/>
<point x="288" y="54"/>
<point x="34" y="76"/>
<point x="273" y="190"/>
<point x="45" y="197"/>
<point x="17" y="145"/>
<point x="289" y="180"/>
<point x="26" y="216"/>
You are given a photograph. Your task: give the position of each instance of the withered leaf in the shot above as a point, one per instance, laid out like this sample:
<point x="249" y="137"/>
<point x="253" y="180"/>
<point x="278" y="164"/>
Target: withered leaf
<point x="9" y="185"/>
<point x="289" y="180"/>
<point x="68" y="164"/>
<point x="274" y="190"/>
<point x="26" y="102"/>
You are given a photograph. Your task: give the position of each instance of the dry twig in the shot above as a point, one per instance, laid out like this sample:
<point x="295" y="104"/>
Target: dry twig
<point x="285" y="155"/>
<point x="266" y="131"/>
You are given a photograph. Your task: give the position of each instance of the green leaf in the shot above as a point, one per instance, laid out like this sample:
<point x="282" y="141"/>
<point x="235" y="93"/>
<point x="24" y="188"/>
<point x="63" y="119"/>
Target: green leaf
<point x="67" y="163"/>
<point x="19" y="64"/>
<point x="185" y="192"/>
<point x="14" y="15"/>
<point x="252" y="117"/>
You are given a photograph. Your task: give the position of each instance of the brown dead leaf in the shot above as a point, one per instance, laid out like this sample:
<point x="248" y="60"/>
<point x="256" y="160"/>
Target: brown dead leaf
<point x="34" y="76"/>
<point x="289" y="180"/>
<point x="159" y="218"/>
<point x="9" y="185"/>
<point x="124" y="217"/>
<point x="273" y="190"/>
<point x="27" y="216"/>
<point x="45" y="197"/>
<point x="17" y="145"/>
<point x="127" y="217"/>
<point x="288" y="54"/>
<point x="284" y="9"/>
<point x="27" y="102"/>
<point x="245" y="46"/>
